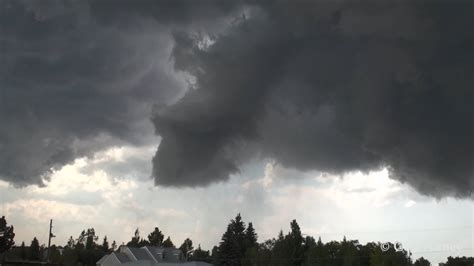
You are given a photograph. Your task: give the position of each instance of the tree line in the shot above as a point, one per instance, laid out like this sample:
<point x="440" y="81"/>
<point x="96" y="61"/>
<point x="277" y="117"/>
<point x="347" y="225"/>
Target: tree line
<point x="239" y="246"/>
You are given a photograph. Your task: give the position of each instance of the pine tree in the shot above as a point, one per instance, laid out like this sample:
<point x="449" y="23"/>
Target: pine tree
<point x="23" y="251"/>
<point x="91" y="239"/>
<point x="6" y="235"/>
<point x="296" y="243"/>
<point x="422" y="262"/>
<point x="71" y="243"/>
<point x="228" y="247"/>
<point x="34" y="250"/>
<point x="114" y="246"/>
<point x="215" y="255"/>
<point x="135" y="242"/>
<point x="250" y="237"/>
<point x="238" y="228"/>
<point x="201" y="255"/>
<point x="250" y="246"/>
<point x="168" y="243"/>
<point x="156" y="237"/>
<point x="187" y="247"/>
<point x="105" y="245"/>
<point x="81" y="240"/>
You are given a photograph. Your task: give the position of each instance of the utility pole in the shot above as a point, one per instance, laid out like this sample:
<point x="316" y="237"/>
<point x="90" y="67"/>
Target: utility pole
<point x="49" y="239"/>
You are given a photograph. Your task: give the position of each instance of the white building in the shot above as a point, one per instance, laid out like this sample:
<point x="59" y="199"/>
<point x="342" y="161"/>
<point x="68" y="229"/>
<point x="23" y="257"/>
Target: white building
<point x="147" y="256"/>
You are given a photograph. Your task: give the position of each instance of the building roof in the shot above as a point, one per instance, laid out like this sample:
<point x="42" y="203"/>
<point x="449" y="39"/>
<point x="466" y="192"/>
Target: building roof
<point x="155" y="250"/>
<point x="148" y="253"/>
<point x="122" y="257"/>
<point x="102" y="259"/>
<point x="140" y="254"/>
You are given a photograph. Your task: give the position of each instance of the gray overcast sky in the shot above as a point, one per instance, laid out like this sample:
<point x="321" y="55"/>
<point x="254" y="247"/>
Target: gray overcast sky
<point x="210" y="108"/>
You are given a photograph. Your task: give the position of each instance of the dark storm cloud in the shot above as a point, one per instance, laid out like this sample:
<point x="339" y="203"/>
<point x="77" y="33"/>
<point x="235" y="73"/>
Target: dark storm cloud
<point x="331" y="87"/>
<point x="334" y="87"/>
<point x="79" y="76"/>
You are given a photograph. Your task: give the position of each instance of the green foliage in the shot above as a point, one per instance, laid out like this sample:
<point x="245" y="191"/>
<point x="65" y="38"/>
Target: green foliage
<point x="422" y="262"/>
<point x="238" y="247"/>
<point x="156" y="237"/>
<point x="460" y="261"/>
<point x="70" y="256"/>
<point x="113" y="247"/>
<point x="201" y="255"/>
<point x="91" y="239"/>
<point x="135" y="242"/>
<point x="235" y="242"/>
<point x="250" y="237"/>
<point x="6" y="235"/>
<point x="105" y="245"/>
<point x="34" y="250"/>
<point x="168" y="243"/>
<point x="187" y="248"/>
<point x="289" y="249"/>
<point x="71" y="243"/>
<point x="55" y="256"/>
<point x="23" y="251"/>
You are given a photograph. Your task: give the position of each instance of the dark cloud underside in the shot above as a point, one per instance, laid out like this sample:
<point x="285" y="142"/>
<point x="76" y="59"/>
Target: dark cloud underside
<point x="74" y="81"/>
<point x="329" y="87"/>
<point x="334" y="87"/>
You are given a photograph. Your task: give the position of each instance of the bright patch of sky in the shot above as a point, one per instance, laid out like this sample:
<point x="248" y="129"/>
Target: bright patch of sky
<point x="113" y="193"/>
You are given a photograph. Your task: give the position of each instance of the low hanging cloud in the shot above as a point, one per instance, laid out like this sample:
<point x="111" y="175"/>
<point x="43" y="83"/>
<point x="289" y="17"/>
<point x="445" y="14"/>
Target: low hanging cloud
<point x="81" y="76"/>
<point x="333" y="87"/>
<point x="330" y="87"/>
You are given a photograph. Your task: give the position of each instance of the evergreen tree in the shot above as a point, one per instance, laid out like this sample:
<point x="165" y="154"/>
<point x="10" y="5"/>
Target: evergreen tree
<point x="295" y="239"/>
<point x="156" y="237"/>
<point x="81" y="240"/>
<point x="265" y="252"/>
<point x="422" y="262"/>
<point x="6" y="235"/>
<point x="228" y="248"/>
<point x="168" y="243"/>
<point x="135" y="242"/>
<point x="70" y="256"/>
<point x="238" y="228"/>
<point x="114" y="246"/>
<point x="187" y="247"/>
<point x="234" y="242"/>
<point x="460" y="261"/>
<point x="34" y="250"/>
<point x="201" y="255"/>
<point x="288" y="250"/>
<point x="349" y="252"/>
<point x="281" y="251"/>
<point x="389" y="257"/>
<point x="71" y="243"/>
<point x="250" y="236"/>
<point x="215" y="255"/>
<point x="91" y="239"/>
<point x="55" y="256"/>
<point x="23" y="251"/>
<point x="250" y="246"/>
<point x="105" y="245"/>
